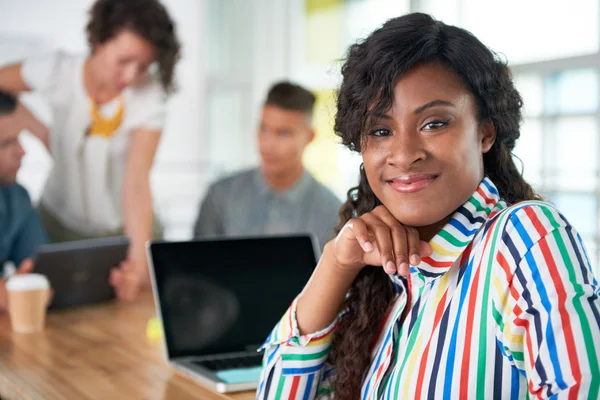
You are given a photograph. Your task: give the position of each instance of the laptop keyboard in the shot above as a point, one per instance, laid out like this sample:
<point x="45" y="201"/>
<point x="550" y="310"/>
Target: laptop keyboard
<point x="231" y="363"/>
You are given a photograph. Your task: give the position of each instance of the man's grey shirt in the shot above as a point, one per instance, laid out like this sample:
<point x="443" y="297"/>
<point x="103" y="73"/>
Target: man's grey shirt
<point x="245" y="205"/>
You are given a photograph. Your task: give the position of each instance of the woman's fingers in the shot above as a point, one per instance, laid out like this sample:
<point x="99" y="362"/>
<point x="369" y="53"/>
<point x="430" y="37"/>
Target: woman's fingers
<point x="425" y="249"/>
<point x="26" y="266"/>
<point x="360" y="231"/>
<point x="414" y="249"/>
<point x="401" y="240"/>
<point x="407" y="246"/>
<point x="125" y="283"/>
<point x="115" y="277"/>
<point x="383" y="238"/>
<point x="401" y="248"/>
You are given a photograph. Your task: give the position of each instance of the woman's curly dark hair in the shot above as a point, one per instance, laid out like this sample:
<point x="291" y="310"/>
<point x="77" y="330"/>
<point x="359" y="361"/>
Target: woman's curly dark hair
<point x="147" y="18"/>
<point x="370" y="73"/>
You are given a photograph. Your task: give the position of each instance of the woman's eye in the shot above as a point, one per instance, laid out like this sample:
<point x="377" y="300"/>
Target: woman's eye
<point x="435" y="124"/>
<point x="380" y="133"/>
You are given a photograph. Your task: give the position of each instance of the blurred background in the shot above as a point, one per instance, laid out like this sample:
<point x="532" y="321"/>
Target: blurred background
<point x="234" y="49"/>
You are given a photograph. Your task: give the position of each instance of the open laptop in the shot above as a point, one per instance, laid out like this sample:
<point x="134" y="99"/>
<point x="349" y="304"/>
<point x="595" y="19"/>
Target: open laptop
<point x="218" y="300"/>
<point x="78" y="271"/>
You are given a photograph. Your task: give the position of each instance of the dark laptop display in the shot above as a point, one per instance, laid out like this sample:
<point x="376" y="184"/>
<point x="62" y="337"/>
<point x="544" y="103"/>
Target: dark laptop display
<point x="225" y="296"/>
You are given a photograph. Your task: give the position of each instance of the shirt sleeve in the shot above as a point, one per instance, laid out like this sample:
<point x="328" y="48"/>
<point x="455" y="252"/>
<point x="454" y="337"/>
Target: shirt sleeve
<point x="210" y="216"/>
<point x="547" y="307"/>
<point x="42" y="73"/>
<point x="30" y="235"/>
<point x="295" y="366"/>
<point x="150" y="111"/>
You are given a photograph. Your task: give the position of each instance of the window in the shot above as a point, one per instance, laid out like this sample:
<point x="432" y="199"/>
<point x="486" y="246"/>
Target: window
<point x="559" y="144"/>
<point x="533" y="30"/>
<point x="556" y="63"/>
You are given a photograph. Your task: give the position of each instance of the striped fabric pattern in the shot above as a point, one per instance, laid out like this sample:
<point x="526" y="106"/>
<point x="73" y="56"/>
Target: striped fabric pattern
<point x="506" y="307"/>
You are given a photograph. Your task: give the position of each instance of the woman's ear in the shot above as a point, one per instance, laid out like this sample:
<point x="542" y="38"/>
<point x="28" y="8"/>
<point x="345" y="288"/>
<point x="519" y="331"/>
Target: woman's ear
<point x="311" y="136"/>
<point x="488" y="136"/>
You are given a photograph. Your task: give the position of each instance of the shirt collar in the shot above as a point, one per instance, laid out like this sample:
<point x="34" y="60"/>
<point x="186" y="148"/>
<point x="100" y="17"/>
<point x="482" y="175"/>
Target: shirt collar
<point x="456" y="236"/>
<point x="292" y="194"/>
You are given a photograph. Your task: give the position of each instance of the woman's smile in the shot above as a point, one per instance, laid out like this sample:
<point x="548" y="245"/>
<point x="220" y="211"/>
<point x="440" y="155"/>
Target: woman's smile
<point x="413" y="183"/>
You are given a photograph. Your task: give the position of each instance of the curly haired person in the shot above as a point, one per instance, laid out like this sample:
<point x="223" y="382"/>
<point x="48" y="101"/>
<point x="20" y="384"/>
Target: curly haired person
<point x="108" y="112"/>
<point x="449" y="276"/>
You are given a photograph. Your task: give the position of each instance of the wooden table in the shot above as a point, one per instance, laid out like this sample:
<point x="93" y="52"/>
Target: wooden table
<point x="94" y="352"/>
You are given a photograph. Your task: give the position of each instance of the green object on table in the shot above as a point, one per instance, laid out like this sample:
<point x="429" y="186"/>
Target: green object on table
<point x="240" y="375"/>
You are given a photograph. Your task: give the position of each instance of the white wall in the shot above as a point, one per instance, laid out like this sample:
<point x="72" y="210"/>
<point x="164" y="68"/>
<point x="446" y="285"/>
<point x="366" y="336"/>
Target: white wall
<point x="183" y="165"/>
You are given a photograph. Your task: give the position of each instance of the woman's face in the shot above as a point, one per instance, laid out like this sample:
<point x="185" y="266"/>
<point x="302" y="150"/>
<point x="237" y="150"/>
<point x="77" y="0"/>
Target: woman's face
<point x="125" y="59"/>
<point x="424" y="157"/>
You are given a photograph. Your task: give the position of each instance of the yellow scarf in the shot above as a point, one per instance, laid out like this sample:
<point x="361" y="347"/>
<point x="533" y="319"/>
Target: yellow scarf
<point x="102" y="126"/>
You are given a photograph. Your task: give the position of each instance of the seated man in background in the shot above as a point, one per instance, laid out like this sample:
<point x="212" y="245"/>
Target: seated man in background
<point x="20" y="229"/>
<point x="280" y="196"/>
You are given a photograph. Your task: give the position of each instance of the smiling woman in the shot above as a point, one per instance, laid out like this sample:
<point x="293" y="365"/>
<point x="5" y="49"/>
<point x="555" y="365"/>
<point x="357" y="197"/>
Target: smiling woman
<point x="449" y="277"/>
<point x="108" y="111"/>
<point x="406" y="151"/>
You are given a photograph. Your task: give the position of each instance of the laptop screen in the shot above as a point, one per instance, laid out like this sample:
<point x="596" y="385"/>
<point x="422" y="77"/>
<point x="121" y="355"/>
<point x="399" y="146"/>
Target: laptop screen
<point x="226" y="295"/>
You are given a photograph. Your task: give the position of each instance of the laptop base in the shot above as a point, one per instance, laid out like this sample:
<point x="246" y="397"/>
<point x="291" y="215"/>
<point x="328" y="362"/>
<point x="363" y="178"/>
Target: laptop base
<point x="214" y="384"/>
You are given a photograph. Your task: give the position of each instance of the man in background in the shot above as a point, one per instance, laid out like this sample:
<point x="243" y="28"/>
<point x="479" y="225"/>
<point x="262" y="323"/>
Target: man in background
<point x="20" y="229"/>
<point x="280" y="196"/>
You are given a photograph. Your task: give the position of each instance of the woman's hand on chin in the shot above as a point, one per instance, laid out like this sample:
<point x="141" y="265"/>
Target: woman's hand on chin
<point x="377" y="238"/>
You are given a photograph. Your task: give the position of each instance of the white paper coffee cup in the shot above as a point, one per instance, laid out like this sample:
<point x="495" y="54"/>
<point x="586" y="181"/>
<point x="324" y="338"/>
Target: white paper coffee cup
<point x="28" y="296"/>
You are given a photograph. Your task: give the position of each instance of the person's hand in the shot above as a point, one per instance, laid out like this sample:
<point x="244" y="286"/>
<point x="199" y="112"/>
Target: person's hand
<point x="26" y="267"/>
<point x="126" y="279"/>
<point x="377" y="238"/>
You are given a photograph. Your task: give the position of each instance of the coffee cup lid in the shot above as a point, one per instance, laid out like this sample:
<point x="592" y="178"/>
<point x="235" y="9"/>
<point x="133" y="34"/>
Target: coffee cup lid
<point x="27" y="282"/>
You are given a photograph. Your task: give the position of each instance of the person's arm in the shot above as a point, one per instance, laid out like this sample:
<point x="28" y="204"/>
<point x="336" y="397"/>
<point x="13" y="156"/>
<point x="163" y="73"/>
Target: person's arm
<point x="210" y="217"/>
<point x="137" y="207"/>
<point x="148" y="116"/>
<point x="12" y="82"/>
<point x="30" y="233"/>
<point x="297" y="357"/>
<point x="547" y="310"/>
<point x="296" y="352"/>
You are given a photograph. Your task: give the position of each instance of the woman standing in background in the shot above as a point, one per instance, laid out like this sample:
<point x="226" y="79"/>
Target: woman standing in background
<point x="108" y="112"/>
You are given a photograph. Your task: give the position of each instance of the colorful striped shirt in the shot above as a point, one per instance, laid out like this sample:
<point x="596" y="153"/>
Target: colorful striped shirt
<point x="506" y="307"/>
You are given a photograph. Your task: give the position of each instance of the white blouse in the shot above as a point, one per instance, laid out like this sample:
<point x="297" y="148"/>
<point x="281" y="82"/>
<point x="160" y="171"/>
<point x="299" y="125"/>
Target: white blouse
<point x="83" y="190"/>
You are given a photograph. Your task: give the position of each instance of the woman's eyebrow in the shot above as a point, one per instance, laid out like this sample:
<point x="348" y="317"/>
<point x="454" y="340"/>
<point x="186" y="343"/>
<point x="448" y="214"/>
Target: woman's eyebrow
<point x="432" y="104"/>
<point x="376" y="115"/>
<point x="418" y="110"/>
